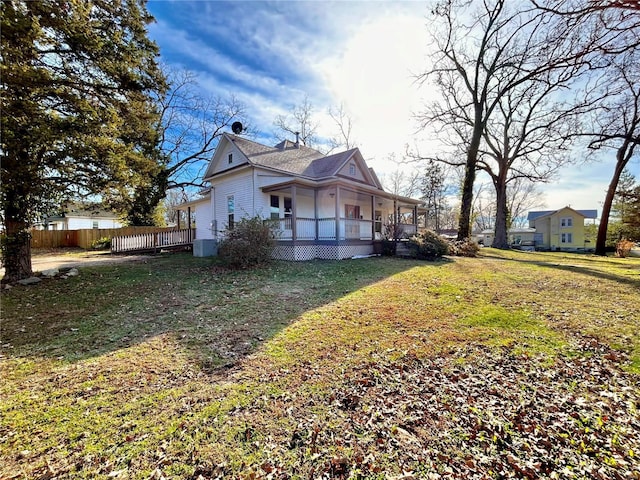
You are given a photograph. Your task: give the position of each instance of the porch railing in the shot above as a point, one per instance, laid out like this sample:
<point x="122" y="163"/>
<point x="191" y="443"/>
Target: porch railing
<point x="322" y="229"/>
<point x="354" y="229"/>
<point x="407" y="229"/>
<point x="152" y="241"/>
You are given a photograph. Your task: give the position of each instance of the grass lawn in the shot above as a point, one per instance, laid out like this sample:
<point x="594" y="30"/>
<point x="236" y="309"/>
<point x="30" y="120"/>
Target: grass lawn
<point x="510" y="365"/>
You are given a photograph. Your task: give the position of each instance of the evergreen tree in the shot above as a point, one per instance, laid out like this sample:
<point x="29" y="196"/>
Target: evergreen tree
<point x="78" y="86"/>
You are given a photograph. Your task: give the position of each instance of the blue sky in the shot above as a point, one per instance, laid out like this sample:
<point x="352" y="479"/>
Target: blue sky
<point x="362" y="54"/>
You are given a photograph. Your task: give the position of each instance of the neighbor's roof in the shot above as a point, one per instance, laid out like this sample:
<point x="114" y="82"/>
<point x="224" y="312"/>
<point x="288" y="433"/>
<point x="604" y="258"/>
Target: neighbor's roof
<point x="544" y="213"/>
<point x="511" y="230"/>
<point x="83" y="210"/>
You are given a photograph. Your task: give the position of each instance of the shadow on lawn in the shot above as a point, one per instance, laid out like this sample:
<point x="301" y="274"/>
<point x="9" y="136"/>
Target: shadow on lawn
<point x="218" y="316"/>
<point x="594" y="272"/>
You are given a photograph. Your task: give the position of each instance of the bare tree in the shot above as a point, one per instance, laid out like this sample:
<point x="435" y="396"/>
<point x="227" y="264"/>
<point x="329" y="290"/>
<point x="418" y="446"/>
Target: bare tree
<point x="618" y="127"/>
<point x="527" y="139"/>
<point x="486" y="55"/>
<point x="299" y="122"/>
<point x="190" y="126"/>
<point x="434" y="187"/>
<point x="483" y="209"/>
<point x="172" y="200"/>
<point x="400" y="181"/>
<point x="522" y="196"/>
<point x="344" y="123"/>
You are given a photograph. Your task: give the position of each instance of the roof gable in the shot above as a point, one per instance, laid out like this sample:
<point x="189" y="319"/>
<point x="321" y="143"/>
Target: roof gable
<point x="294" y="159"/>
<point x="221" y="162"/>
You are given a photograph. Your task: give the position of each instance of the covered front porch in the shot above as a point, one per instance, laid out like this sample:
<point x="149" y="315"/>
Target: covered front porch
<point x="338" y="213"/>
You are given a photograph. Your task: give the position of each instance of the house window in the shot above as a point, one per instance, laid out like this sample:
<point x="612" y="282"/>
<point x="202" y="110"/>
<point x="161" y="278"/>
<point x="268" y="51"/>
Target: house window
<point x="230" y="210"/>
<point x="566" y="222"/>
<point x="95" y="224"/>
<point x="287" y="207"/>
<point x="275" y="207"/>
<point x="352" y="169"/>
<point x="230" y="158"/>
<point x="566" y="238"/>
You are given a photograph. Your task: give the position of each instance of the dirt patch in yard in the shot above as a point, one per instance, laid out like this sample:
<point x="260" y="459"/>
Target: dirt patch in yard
<point x="47" y="259"/>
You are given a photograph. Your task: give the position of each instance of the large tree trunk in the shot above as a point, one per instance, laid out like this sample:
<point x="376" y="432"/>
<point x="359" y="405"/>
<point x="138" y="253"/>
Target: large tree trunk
<point x="500" y="239"/>
<point x="622" y="160"/>
<point x="464" y="223"/>
<point x="16" y="252"/>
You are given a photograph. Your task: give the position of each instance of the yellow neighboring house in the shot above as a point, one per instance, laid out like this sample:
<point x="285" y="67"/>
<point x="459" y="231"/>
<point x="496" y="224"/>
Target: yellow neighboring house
<point x="562" y="229"/>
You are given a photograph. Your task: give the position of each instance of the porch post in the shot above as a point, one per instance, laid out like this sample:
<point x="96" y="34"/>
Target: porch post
<point x="178" y="215"/>
<point x="315" y="210"/>
<point x="415" y="217"/>
<point x="189" y="222"/>
<point x="373" y="217"/>
<point x="337" y="212"/>
<point x="396" y="218"/>
<point x="294" y="215"/>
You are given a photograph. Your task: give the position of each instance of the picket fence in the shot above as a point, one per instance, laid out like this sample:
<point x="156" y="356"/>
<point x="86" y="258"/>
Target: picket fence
<point x="84" y="238"/>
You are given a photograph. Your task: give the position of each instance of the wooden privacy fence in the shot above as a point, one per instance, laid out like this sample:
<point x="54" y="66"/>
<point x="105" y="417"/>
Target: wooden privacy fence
<point x="85" y="237"/>
<point x="152" y="241"/>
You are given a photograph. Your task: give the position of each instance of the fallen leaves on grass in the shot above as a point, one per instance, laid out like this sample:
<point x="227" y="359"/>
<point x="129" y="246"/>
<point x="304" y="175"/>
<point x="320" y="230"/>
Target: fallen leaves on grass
<point x="476" y="413"/>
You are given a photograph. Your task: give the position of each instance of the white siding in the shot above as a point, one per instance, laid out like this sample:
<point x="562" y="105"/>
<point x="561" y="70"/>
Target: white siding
<point x="346" y="171"/>
<point x="222" y="160"/>
<point x="266" y="179"/>
<point x="78" y="223"/>
<point x="241" y="187"/>
<point x="305" y="207"/>
<point x="203" y="220"/>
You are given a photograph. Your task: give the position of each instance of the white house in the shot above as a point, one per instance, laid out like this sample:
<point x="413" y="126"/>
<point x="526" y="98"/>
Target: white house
<point x="76" y="216"/>
<point x="321" y="206"/>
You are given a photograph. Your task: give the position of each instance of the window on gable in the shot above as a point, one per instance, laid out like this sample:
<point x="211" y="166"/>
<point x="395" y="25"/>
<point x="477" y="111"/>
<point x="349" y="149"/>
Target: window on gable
<point x="352" y="169"/>
<point x="230" y="158"/>
<point x="566" y="238"/>
<point x="566" y="222"/>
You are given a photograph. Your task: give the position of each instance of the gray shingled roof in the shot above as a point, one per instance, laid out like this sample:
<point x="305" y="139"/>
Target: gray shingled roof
<point x="285" y="156"/>
<point x="543" y="213"/>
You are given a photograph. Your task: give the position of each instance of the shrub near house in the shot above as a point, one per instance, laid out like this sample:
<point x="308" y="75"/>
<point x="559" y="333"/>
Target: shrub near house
<point x="428" y="246"/>
<point x="249" y="243"/>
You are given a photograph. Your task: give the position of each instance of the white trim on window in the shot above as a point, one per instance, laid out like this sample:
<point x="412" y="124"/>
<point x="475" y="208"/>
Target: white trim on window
<point x="566" y="222"/>
<point x="230" y="211"/>
<point x="566" y="238"/>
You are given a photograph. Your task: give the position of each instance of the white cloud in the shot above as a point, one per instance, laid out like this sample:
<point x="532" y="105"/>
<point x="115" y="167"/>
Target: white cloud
<point x="374" y="76"/>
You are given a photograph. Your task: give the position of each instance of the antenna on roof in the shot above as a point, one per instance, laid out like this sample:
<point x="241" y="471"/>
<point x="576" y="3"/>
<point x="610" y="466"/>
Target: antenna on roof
<point x="237" y="128"/>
